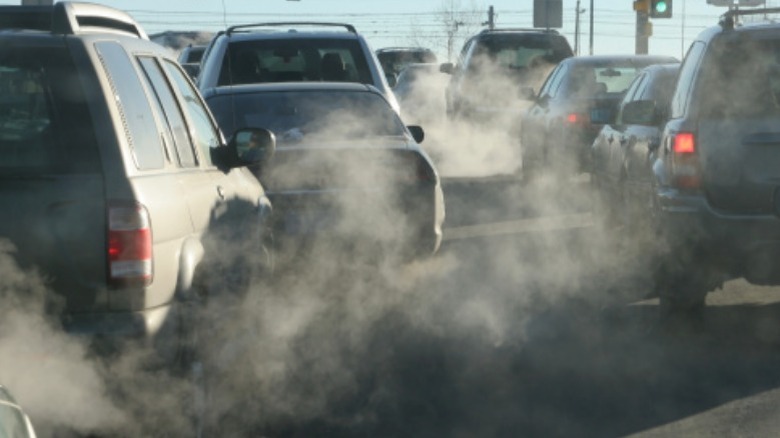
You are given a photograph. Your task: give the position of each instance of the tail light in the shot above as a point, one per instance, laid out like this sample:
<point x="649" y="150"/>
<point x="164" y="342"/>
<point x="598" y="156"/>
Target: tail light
<point x="415" y="169"/>
<point x="129" y="245"/>
<point x="577" y="119"/>
<point x="686" y="172"/>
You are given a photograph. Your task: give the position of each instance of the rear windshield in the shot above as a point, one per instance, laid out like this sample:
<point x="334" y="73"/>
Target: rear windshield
<point x="741" y="78"/>
<point x="44" y="119"/>
<point x="292" y="116"/>
<point x="520" y="50"/>
<point x="396" y="61"/>
<point x="313" y="59"/>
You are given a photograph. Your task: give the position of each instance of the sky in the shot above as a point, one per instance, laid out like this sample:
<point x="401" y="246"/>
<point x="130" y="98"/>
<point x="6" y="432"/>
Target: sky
<point x="417" y="22"/>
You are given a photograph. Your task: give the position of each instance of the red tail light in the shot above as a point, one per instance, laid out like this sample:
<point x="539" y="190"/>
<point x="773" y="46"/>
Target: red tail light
<point x="686" y="171"/>
<point x="577" y="118"/>
<point x="129" y="245"/>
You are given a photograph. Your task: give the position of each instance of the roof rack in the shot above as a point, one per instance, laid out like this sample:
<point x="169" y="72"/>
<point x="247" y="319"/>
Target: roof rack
<point x="519" y="29"/>
<point x="349" y="27"/>
<point x="728" y="21"/>
<point x="70" y="18"/>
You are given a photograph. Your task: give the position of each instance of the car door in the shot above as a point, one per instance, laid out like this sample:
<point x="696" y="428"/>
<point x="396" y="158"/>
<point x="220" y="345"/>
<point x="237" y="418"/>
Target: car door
<point x="535" y="123"/>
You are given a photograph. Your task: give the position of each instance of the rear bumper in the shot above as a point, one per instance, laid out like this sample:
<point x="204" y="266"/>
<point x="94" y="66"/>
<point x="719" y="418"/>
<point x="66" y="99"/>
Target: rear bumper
<point x="743" y="244"/>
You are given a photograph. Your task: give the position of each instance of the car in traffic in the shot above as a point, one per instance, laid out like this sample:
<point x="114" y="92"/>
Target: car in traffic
<point x="625" y="149"/>
<point x="717" y="167"/>
<point x="395" y="59"/>
<point x="558" y="130"/>
<point x="345" y="167"/>
<point x="190" y="57"/>
<point x="117" y="181"/>
<point x="291" y="52"/>
<point x="419" y="89"/>
<point x="492" y="67"/>
<point x="14" y="422"/>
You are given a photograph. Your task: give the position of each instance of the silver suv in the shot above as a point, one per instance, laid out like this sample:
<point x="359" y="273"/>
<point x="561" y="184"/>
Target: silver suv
<point x="114" y="175"/>
<point x="291" y="52"/>
<point x="717" y="168"/>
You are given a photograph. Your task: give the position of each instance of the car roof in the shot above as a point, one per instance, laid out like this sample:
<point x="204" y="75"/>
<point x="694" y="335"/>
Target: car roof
<point x="606" y="60"/>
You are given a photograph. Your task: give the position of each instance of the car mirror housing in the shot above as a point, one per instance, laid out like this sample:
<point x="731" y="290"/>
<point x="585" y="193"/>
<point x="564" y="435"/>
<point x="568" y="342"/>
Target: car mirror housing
<point x="639" y="112"/>
<point x="447" y="67"/>
<point x="247" y="147"/>
<point x="417" y="133"/>
<point x="527" y="93"/>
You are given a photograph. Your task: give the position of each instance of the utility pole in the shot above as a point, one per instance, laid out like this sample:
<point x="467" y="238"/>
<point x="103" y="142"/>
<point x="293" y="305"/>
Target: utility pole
<point x="590" y="51"/>
<point x="491" y="18"/>
<point x="577" y="29"/>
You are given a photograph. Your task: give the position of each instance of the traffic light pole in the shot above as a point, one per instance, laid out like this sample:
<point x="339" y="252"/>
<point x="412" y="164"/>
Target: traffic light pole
<point x="642" y="32"/>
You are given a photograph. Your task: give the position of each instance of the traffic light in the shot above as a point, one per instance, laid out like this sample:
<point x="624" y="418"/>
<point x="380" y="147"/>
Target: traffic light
<point x="660" y="8"/>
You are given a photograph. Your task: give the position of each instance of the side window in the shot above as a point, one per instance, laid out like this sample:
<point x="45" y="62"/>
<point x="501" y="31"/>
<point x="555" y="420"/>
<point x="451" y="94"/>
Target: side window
<point x="640" y="91"/>
<point x="687" y="72"/>
<point x="171" y="114"/>
<point x="556" y="84"/>
<point x="131" y="100"/>
<point x="202" y="130"/>
<point x="634" y="92"/>
<point x="550" y="80"/>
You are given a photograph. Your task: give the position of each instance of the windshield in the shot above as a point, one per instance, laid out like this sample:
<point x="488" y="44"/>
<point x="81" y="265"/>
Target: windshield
<point x="293" y="115"/>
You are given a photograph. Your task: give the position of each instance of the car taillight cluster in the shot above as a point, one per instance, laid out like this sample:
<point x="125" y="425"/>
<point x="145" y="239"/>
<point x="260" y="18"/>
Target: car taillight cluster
<point x="414" y="169"/>
<point x="578" y="118"/>
<point x="686" y="171"/>
<point x="129" y="245"/>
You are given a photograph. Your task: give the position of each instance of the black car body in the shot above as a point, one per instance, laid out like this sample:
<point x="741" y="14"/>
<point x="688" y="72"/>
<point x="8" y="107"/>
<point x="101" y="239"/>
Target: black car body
<point x="494" y="64"/>
<point x="345" y="164"/>
<point x="557" y="131"/>
<point x="395" y="59"/>
<point x="626" y="147"/>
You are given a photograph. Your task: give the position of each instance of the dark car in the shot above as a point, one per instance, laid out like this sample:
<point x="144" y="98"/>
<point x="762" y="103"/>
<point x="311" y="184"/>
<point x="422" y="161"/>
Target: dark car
<point x="291" y="52"/>
<point x="395" y="59"/>
<point x="112" y="169"/>
<point x="717" y="167"/>
<point x="190" y="57"/>
<point x="345" y="165"/>
<point x="626" y="147"/>
<point x="557" y="131"/>
<point x="492" y="67"/>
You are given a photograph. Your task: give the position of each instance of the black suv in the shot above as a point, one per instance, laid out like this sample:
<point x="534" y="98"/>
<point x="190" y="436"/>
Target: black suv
<point x="717" y="167"/>
<point x="495" y="64"/>
<point x="114" y="174"/>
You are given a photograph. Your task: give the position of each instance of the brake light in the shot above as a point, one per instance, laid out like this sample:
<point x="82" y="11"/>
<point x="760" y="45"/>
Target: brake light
<point x="686" y="172"/>
<point x="129" y="245"/>
<point x="577" y="118"/>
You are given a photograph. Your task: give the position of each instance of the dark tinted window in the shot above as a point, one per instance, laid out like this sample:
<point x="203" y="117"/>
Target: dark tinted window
<point x="395" y="61"/>
<point x="277" y="60"/>
<point x="520" y="50"/>
<point x="176" y="128"/>
<point x="291" y="115"/>
<point x="131" y="99"/>
<point x="44" y="120"/>
<point x="741" y="78"/>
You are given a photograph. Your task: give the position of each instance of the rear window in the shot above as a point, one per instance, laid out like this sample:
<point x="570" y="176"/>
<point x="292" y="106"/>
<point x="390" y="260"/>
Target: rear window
<point x="311" y="59"/>
<point x="294" y="115"/>
<point x="44" y="119"/>
<point x="741" y="78"/>
<point x="523" y="50"/>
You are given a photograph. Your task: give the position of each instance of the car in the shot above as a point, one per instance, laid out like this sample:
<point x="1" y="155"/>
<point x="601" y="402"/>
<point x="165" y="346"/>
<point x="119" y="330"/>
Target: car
<point x="418" y="90"/>
<point x="493" y="65"/>
<point x="345" y="167"/>
<point x="558" y="130"/>
<point x="14" y="422"/>
<point x="291" y="52"/>
<point x="716" y="170"/>
<point x="190" y="57"/>
<point x="625" y="148"/>
<point x="119" y="183"/>
<point x="394" y="59"/>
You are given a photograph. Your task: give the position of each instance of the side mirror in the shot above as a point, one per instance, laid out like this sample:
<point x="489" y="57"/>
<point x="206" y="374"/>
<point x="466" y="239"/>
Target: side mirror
<point x="248" y="147"/>
<point x="447" y="67"/>
<point x="640" y="112"/>
<point x="417" y="133"/>
<point x="527" y="93"/>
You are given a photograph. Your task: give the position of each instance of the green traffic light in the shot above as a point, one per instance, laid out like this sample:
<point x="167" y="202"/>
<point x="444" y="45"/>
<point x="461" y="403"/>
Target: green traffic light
<point x="660" y="7"/>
